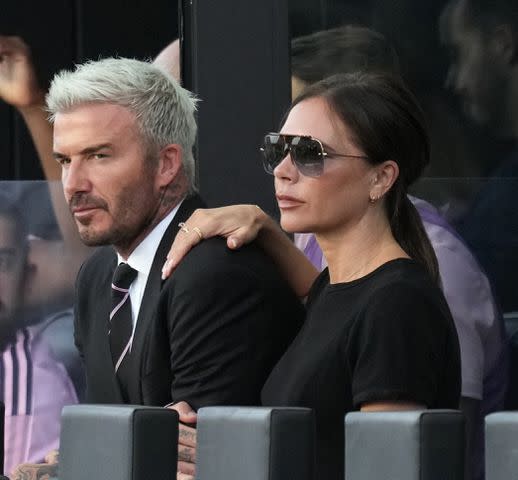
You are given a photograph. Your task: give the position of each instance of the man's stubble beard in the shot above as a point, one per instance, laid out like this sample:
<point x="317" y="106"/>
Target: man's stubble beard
<point x="129" y="221"/>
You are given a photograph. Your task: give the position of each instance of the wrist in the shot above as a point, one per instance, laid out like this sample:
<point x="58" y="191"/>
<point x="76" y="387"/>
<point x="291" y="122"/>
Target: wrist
<point x="266" y="227"/>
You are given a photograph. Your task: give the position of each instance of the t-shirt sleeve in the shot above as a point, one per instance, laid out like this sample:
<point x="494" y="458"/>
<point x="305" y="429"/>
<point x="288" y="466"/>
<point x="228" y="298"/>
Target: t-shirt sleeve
<point x="397" y="347"/>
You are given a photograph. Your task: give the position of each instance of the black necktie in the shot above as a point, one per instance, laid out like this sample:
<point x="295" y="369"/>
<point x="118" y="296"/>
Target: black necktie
<point x="121" y="323"/>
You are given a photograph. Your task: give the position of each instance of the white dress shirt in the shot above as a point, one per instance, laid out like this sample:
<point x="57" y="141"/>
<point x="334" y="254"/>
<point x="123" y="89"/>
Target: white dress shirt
<point x="141" y="260"/>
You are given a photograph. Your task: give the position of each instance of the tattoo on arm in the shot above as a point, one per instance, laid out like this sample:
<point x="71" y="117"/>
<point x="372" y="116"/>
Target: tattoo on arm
<point x="186" y="434"/>
<point x="35" y="472"/>
<point x="185" y="454"/>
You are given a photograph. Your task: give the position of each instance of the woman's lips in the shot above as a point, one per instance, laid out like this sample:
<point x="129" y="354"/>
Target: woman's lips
<point x="285" y="201"/>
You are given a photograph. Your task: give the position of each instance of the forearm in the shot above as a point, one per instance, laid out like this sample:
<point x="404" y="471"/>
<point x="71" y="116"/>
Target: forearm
<point x="40" y="130"/>
<point x="74" y="250"/>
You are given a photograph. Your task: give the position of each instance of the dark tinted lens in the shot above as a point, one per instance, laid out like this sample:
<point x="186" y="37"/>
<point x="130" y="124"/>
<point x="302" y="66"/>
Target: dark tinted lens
<point x="307" y="155"/>
<point x="274" y="150"/>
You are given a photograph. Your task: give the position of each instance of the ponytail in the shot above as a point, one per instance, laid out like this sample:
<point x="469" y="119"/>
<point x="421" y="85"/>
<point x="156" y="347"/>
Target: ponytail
<point x="408" y="230"/>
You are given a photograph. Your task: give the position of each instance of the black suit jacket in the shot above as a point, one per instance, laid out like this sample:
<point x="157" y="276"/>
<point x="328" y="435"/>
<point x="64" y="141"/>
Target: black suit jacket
<point x="209" y="335"/>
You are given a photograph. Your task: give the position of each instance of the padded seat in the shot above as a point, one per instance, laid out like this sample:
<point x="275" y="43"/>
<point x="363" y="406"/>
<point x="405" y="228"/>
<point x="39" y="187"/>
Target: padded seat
<point x="502" y="446"/>
<point x="108" y="442"/>
<point x="410" y="445"/>
<point x="259" y="443"/>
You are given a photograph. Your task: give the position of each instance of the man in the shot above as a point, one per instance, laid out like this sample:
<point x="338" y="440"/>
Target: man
<point x="34" y="383"/>
<point x="123" y="133"/>
<point x="483" y="35"/>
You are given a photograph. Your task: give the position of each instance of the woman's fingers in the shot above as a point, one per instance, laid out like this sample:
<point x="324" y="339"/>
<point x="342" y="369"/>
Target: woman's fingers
<point x="240" y="224"/>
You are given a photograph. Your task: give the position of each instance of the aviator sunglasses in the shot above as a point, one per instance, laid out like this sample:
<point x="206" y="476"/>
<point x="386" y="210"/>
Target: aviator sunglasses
<point x="306" y="153"/>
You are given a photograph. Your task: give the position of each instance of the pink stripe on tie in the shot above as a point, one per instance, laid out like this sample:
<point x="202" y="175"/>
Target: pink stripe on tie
<point x="119" y="305"/>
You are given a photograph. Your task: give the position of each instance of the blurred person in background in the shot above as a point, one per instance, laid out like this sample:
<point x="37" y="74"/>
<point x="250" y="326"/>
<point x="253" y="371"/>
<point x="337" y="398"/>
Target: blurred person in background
<point x="483" y="38"/>
<point x="61" y="252"/>
<point x="34" y="382"/>
<point x="54" y="247"/>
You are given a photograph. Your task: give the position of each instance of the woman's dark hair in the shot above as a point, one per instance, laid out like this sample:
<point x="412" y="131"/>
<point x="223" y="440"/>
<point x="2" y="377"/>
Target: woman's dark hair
<point x="387" y="124"/>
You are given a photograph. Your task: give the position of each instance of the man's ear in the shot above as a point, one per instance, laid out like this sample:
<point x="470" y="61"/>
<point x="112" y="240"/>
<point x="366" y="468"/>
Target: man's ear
<point x="504" y="44"/>
<point x="169" y="164"/>
<point x="385" y="175"/>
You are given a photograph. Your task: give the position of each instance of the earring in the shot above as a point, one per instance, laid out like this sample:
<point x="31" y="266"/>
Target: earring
<point x="373" y="199"/>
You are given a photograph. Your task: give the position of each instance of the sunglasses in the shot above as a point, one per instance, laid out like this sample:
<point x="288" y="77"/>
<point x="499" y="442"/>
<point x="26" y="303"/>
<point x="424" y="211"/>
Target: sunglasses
<point x="306" y="153"/>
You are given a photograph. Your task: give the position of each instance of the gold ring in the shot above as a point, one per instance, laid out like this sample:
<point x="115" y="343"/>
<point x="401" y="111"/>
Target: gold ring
<point x="198" y="232"/>
<point x="183" y="227"/>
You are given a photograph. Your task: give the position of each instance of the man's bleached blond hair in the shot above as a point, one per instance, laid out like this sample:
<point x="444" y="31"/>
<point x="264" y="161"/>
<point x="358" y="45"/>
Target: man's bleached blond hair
<point x="163" y="109"/>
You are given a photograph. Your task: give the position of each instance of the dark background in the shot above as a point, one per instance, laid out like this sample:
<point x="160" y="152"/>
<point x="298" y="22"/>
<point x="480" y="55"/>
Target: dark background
<point x="239" y="56"/>
<point x="63" y="32"/>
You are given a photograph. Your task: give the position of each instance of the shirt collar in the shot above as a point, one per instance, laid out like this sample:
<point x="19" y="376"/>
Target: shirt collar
<point x="142" y="257"/>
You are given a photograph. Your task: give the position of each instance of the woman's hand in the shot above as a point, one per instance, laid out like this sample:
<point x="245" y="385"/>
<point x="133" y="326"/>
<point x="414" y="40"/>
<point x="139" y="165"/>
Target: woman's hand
<point x="239" y="224"/>
<point x="186" y="441"/>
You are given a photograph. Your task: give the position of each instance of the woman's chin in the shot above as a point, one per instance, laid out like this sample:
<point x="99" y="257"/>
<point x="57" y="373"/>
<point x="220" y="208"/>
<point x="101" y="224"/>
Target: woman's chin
<point x="290" y="225"/>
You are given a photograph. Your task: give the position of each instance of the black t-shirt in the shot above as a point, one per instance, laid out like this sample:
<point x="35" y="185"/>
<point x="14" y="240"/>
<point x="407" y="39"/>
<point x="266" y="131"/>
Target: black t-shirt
<point x="386" y="336"/>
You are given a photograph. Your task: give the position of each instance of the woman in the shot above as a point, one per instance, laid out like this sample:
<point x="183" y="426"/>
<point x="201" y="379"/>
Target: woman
<point x="378" y="333"/>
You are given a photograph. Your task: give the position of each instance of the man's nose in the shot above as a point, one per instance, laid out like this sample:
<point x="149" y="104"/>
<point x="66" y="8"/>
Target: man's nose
<point x="75" y="179"/>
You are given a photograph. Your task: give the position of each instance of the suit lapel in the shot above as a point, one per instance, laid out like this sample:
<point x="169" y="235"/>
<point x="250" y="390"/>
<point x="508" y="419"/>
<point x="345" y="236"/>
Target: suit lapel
<point x="152" y="294"/>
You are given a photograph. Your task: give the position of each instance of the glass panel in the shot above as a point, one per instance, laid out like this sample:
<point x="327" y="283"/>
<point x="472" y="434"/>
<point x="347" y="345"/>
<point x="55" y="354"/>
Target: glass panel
<point x="442" y="51"/>
<point x="40" y="369"/>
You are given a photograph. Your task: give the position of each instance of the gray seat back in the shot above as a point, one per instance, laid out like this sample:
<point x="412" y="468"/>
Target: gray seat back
<point x="107" y="442"/>
<point x="412" y="445"/>
<point x="2" y="421"/>
<point x="255" y="444"/>
<point x="502" y="446"/>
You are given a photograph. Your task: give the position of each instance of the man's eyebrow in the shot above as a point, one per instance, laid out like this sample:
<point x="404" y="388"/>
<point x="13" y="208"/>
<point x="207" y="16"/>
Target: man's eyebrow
<point x="95" y="148"/>
<point x="85" y="151"/>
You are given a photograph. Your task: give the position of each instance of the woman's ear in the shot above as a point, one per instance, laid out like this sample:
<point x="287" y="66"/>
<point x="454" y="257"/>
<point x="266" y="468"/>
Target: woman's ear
<point x="384" y="176"/>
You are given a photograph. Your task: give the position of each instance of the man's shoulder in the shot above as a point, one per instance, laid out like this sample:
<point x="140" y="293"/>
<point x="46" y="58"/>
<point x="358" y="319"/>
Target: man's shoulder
<point x="211" y="264"/>
<point x="101" y="260"/>
<point x="213" y="254"/>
